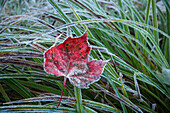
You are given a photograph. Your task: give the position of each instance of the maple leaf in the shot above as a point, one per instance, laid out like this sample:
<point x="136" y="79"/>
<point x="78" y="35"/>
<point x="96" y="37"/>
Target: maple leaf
<point x="70" y="59"/>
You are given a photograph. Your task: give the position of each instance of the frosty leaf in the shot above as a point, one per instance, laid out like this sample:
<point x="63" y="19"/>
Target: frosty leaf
<point x="70" y="59"/>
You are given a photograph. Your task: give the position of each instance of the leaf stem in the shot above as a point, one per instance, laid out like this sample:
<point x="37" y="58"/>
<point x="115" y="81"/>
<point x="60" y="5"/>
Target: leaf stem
<point x="62" y="91"/>
<point x="78" y="96"/>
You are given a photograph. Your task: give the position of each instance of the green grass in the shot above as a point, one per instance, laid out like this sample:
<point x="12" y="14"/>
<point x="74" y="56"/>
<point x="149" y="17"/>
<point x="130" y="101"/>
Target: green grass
<point x="133" y="35"/>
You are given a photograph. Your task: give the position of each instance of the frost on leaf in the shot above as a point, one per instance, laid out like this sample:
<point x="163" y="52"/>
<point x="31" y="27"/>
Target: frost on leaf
<point x="70" y="59"/>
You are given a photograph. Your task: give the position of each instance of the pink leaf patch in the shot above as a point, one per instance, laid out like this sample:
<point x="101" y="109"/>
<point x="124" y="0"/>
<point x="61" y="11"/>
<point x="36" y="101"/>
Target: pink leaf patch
<point x="70" y="59"/>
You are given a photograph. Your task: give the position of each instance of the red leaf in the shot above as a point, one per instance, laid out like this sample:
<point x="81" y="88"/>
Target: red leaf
<point x="70" y="59"/>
